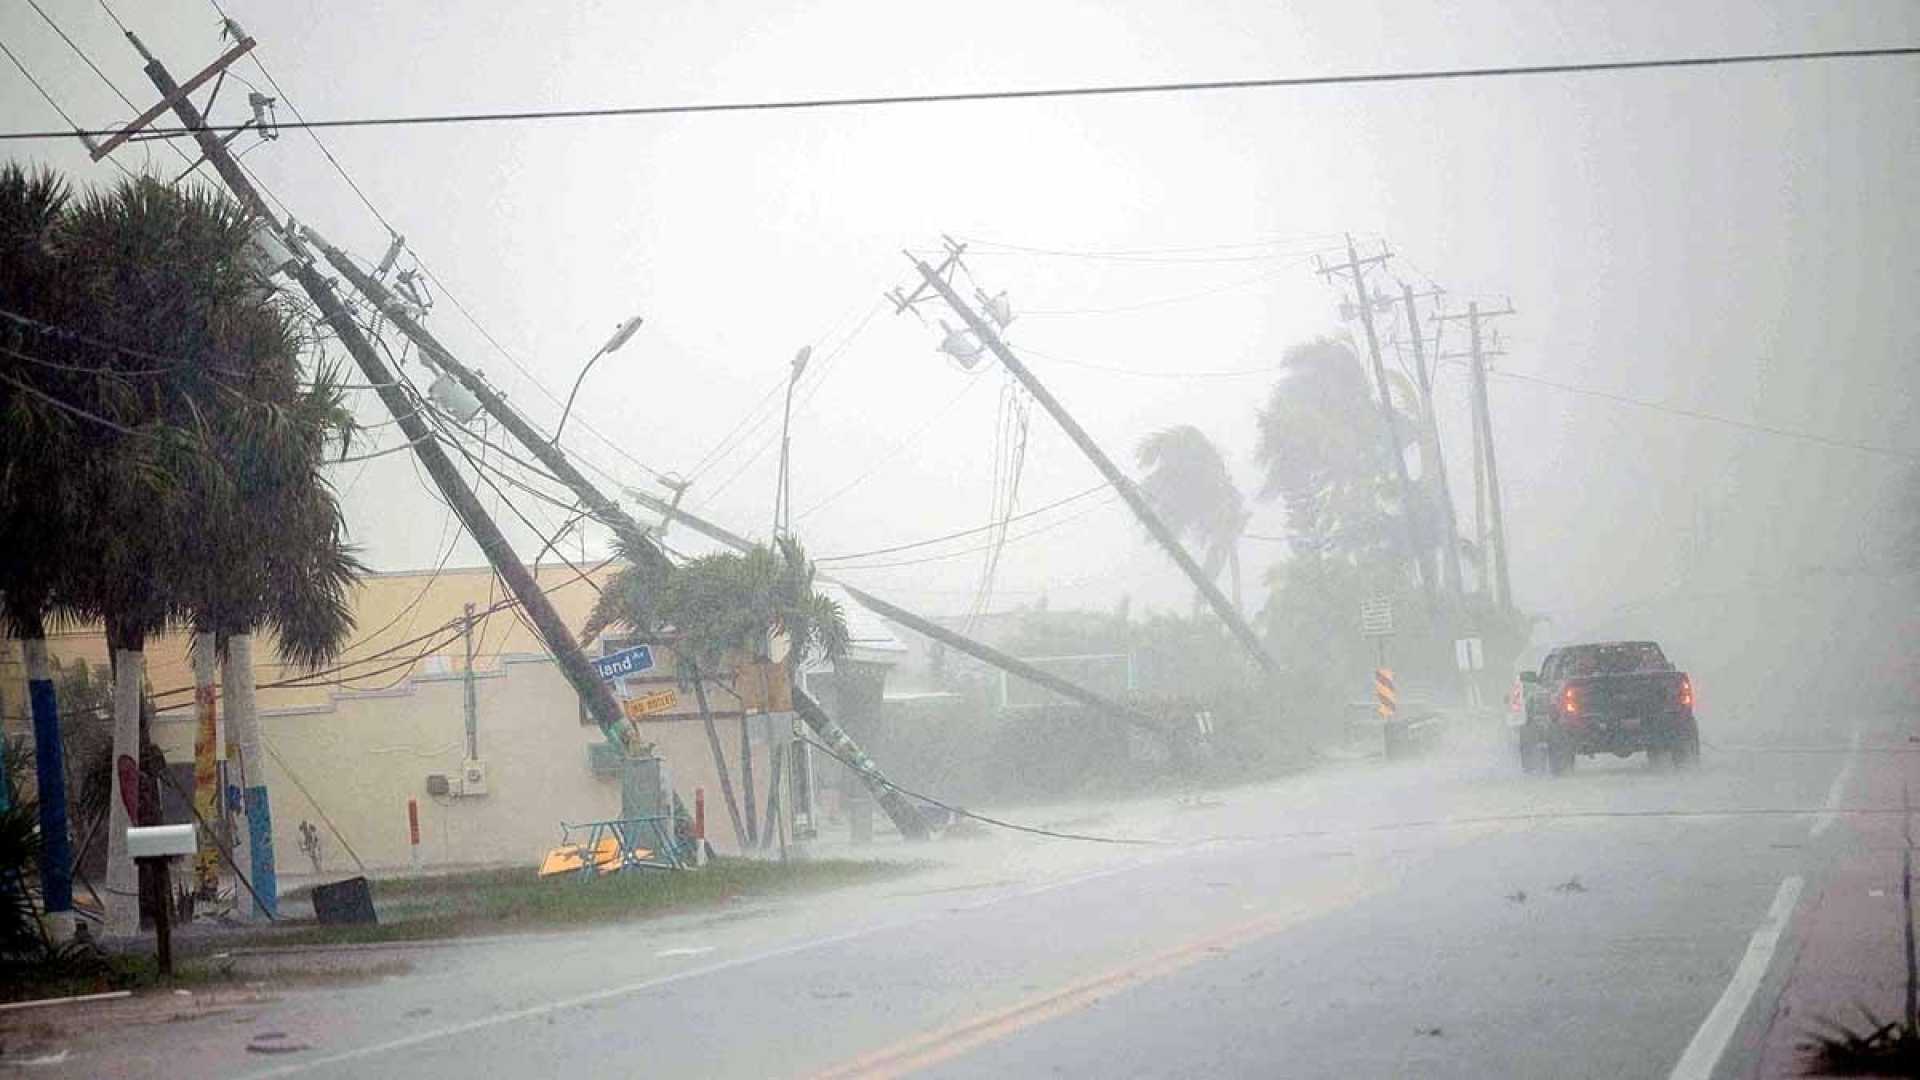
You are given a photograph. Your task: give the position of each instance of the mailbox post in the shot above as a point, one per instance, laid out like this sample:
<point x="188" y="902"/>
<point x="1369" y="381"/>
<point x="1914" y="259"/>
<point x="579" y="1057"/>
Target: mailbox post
<point x="154" y="845"/>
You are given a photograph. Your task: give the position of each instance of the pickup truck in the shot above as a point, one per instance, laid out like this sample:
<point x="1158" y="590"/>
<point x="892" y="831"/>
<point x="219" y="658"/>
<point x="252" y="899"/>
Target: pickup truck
<point x="1613" y="697"/>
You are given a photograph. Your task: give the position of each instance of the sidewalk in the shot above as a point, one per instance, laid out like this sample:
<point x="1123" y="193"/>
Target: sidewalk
<point x="1852" y="924"/>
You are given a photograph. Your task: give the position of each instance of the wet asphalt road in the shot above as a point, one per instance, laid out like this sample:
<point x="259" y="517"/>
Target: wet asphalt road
<point x="1441" y="917"/>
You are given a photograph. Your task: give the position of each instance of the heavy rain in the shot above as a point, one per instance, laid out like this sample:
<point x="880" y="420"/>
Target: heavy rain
<point x="858" y="540"/>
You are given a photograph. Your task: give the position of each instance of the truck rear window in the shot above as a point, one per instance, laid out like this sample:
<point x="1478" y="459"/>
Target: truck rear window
<point x="1625" y="658"/>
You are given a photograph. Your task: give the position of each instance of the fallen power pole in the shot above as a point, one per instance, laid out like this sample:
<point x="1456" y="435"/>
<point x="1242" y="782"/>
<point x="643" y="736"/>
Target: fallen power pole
<point x="987" y="654"/>
<point x="1137" y="502"/>
<point x="904" y="815"/>
<point x="598" y="699"/>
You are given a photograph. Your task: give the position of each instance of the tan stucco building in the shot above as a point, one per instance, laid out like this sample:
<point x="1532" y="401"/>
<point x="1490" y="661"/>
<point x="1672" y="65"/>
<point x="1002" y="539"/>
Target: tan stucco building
<point x="347" y="749"/>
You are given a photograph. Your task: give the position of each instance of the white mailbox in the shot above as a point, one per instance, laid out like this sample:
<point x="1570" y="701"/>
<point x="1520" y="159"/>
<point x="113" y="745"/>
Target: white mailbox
<point x="160" y="841"/>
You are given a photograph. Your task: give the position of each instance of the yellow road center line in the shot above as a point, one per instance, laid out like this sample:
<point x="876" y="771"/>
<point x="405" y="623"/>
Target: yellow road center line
<point x="947" y="1043"/>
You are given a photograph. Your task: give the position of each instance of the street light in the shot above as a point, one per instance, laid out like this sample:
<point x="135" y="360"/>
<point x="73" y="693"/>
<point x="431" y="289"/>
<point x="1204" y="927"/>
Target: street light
<point x="620" y="335"/>
<point x="782" y="495"/>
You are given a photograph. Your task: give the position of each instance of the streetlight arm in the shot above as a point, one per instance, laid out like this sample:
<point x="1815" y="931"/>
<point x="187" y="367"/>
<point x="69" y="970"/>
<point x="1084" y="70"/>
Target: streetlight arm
<point x="571" y="394"/>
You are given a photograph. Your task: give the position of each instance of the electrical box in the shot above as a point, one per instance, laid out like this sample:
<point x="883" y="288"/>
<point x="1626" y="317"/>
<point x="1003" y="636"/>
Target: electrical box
<point x="473" y="778"/>
<point x="437" y="784"/>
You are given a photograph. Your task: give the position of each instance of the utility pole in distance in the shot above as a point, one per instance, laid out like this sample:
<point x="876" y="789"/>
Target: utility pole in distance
<point x="566" y="651"/>
<point x="990" y="337"/>
<point x="1450" y="552"/>
<point x="1415" y="550"/>
<point x="1496" y="551"/>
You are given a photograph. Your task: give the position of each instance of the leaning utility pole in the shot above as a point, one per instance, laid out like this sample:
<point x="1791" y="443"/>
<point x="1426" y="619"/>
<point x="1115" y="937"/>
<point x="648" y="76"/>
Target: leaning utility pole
<point x="904" y="815"/>
<point x="1494" y="548"/>
<point x="533" y="601"/>
<point x="1416" y="551"/>
<point x="1450" y="552"/>
<point x="990" y="337"/>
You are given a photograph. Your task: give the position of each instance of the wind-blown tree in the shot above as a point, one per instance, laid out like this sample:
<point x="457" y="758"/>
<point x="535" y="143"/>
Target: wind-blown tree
<point x="1323" y="451"/>
<point x="1326" y="455"/>
<point x="212" y="510"/>
<point x="723" y="608"/>
<point x="1189" y="484"/>
<point x="719" y="609"/>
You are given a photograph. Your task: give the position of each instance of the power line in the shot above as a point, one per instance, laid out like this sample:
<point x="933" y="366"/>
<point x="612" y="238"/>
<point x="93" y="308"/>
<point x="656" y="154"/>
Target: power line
<point x="1227" y="373"/>
<point x="311" y="133"/>
<point x="48" y="98"/>
<point x="989" y="527"/>
<point x="1696" y="414"/>
<point x="1037" y="530"/>
<point x="1199" y="255"/>
<point x="81" y="53"/>
<point x="984" y="819"/>
<point x="892" y="453"/>
<point x="1044" y="93"/>
<point x="1179" y="298"/>
<point x="88" y="60"/>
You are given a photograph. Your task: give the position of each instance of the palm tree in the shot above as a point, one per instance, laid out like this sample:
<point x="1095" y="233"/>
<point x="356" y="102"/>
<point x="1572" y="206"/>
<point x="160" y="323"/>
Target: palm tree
<point x="722" y="608"/>
<point x="1324" y="454"/>
<point x="1189" y="483"/>
<point x="38" y="443"/>
<point x="211" y="509"/>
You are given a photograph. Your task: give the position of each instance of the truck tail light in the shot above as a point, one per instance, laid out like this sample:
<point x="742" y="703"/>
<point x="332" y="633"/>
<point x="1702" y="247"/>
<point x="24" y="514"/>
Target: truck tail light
<point x="1570" y="701"/>
<point x="1686" y="691"/>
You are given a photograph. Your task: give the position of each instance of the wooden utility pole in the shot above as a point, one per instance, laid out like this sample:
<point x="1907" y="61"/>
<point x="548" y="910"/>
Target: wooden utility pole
<point x="1416" y="550"/>
<point x="532" y="599"/>
<point x="1450" y="549"/>
<point x="1493" y="540"/>
<point x="990" y="337"/>
<point x="904" y="815"/>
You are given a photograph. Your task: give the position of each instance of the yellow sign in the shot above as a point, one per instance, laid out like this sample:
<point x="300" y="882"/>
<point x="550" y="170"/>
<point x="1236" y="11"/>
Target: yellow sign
<point x="649" y="703"/>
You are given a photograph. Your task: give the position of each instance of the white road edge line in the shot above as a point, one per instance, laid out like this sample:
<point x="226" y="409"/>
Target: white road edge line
<point x="1839" y="789"/>
<point x="1709" y="1043"/>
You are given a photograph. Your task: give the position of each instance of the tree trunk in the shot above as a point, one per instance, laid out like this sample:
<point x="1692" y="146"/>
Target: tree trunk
<point x="253" y="847"/>
<point x="746" y="778"/>
<point x="905" y="816"/>
<point x="123" y="887"/>
<point x="719" y="756"/>
<point x="207" y="753"/>
<point x="49" y="759"/>
<point x="1233" y="568"/>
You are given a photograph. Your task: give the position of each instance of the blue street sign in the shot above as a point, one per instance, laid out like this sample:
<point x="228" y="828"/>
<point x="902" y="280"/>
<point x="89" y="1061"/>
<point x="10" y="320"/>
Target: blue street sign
<point x="634" y="661"/>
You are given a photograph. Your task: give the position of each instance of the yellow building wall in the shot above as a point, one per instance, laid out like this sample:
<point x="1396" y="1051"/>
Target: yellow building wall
<point x="362" y="741"/>
<point x="356" y="761"/>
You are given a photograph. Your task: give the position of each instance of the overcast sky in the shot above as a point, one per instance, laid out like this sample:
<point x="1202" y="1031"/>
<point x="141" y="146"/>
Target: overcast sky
<point x="1740" y="241"/>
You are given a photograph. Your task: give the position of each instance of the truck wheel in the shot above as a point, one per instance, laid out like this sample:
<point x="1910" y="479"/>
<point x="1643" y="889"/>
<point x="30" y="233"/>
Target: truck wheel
<point x="1686" y="749"/>
<point x="1660" y="758"/>
<point x="1560" y="757"/>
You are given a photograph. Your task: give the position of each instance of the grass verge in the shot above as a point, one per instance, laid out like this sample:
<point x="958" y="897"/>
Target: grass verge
<point x="511" y="900"/>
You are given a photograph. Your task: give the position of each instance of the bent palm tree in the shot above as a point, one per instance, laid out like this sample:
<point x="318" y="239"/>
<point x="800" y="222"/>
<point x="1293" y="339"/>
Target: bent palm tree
<point x="719" y="608"/>
<point x="1189" y="483"/>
